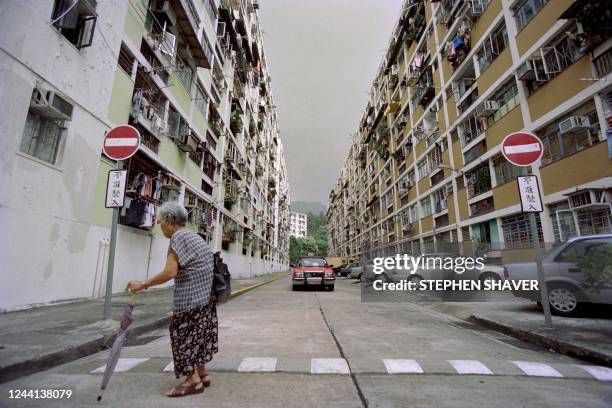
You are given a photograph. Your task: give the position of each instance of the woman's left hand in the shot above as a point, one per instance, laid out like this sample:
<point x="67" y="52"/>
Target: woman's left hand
<point x="136" y="286"/>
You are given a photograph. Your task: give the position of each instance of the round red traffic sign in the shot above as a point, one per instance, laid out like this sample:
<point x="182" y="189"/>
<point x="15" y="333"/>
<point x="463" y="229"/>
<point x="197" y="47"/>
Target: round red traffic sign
<point x="522" y="149"/>
<point x="121" y="142"/>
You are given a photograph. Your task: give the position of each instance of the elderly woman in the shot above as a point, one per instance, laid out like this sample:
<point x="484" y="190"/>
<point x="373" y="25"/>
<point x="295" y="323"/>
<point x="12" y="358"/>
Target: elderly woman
<point x="193" y="328"/>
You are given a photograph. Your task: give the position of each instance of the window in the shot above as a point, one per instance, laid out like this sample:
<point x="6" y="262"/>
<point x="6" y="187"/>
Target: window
<point x="562" y="219"/>
<point x="584" y="132"/>
<point x="45" y="124"/>
<point x="201" y="99"/>
<point x="479" y="180"/>
<point x="517" y="231"/>
<point x="126" y="60"/>
<point x="472" y="127"/>
<point x="185" y="75"/>
<point x="414" y="213"/>
<point x="422" y="168"/>
<point x="75" y="20"/>
<point x="526" y="10"/>
<point x="493" y="45"/>
<point x="426" y="206"/>
<point x="507" y="98"/>
<point x="505" y="171"/>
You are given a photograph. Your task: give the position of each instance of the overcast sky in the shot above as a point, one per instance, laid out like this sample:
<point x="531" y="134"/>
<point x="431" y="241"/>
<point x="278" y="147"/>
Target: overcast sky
<point x="322" y="56"/>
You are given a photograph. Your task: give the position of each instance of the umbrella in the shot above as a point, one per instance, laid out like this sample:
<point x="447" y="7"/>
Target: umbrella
<point x="115" y="352"/>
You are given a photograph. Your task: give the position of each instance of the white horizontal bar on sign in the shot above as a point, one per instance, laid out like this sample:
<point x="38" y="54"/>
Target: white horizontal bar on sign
<point x="402" y="366"/>
<point x="121" y="141"/>
<point x="470" y="367"/>
<point x="257" y="364"/>
<point x="537" y="369"/>
<point x="601" y="373"/>
<point x="528" y="148"/>
<point x="123" y="365"/>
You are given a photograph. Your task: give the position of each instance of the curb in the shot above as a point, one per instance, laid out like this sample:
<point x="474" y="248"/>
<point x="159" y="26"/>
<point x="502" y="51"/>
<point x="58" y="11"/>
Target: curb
<point x="67" y="355"/>
<point x="560" y="346"/>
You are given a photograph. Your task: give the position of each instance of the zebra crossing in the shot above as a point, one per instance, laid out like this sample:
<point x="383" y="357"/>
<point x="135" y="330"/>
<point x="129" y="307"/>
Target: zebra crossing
<point x="393" y="366"/>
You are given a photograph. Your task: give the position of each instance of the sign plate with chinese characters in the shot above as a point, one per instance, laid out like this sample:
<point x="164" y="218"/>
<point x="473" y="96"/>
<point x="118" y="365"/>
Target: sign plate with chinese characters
<point x="530" y="194"/>
<point x="115" y="188"/>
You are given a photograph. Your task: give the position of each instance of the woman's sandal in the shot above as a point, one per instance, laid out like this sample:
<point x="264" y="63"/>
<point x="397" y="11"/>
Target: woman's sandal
<point x="183" y="390"/>
<point x="204" y="382"/>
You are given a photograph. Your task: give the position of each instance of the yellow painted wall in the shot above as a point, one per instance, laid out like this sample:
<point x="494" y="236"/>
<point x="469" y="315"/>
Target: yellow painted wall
<point x="457" y="156"/>
<point x="587" y="165"/>
<point x="512" y="122"/>
<point x="502" y="63"/>
<point x="451" y="209"/>
<point x="194" y="173"/>
<point x="134" y="24"/>
<point x="506" y="195"/>
<point x="540" y="24"/>
<point x="463" y="204"/>
<point x="101" y="215"/>
<point x="564" y="86"/>
<point x="423" y="185"/>
<point x="121" y="98"/>
<point x="426" y="224"/>
<point x="485" y="21"/>
<point x="420" y="149"/>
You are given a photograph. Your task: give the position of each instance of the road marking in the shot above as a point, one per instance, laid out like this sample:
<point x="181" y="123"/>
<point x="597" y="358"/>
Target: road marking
<point x="537" y="369"/>
<point x="402" y="366"/>
<point x="169" y="367"/>
<point x="469" y="367"/>
<point x="329" y="366"/>
<point x="601" y="373"/>
<point x="123" y="365"/>
<point x="257" y="364"/>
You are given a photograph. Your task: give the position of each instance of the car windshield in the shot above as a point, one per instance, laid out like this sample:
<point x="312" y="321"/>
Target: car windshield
<point x="313" y="262"/>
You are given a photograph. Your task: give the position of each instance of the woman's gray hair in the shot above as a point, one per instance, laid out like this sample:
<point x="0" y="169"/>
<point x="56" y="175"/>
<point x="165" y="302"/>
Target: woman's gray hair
<point x="174" y="213"/>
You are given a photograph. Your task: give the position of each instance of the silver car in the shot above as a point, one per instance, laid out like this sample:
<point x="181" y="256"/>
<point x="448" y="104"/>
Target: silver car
<point x="569" y="292"/>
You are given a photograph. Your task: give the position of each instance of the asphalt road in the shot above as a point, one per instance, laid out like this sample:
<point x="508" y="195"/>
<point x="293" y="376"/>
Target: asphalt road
<point x="311" y="348"/>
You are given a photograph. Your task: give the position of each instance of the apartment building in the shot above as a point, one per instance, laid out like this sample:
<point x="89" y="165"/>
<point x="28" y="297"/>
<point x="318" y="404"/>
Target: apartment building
<point x="192" y="77"/>
<point x="298" y="225"/>
<point x="425" y="168"/>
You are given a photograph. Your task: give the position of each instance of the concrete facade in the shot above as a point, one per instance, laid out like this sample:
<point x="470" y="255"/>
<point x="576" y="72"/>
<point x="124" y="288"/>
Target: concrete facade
<point x="425" y="168"/>
<point x="224" y="162"/>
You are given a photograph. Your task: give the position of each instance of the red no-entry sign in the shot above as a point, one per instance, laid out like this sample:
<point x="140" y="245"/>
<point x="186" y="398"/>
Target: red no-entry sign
<point x="522" y="149"/>
<point x="121" y="142"/>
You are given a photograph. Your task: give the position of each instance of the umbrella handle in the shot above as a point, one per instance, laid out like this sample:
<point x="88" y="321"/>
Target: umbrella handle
<point x="133" y="297"/>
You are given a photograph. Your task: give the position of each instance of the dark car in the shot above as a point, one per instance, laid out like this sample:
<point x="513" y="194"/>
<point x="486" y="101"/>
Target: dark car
<point x="338" y="268"/>
<point x="313" y="270"/>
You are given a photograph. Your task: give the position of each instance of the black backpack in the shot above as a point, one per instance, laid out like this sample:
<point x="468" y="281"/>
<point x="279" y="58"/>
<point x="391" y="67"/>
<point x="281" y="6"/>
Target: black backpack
<point x="221" y="287"/>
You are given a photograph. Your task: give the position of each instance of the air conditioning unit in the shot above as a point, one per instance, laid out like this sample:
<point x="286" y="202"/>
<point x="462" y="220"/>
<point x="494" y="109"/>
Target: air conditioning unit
<point x="394" y="69"/>
<point x="167" y="43"/>
<point x="574" y="124"/>
<point x="418" y="130"/>
<point x="51" y="105"/>
<point x="403" y="119"/>
<point x="221" y="30"/>
<point x="241" y="162"/>
<point x="477" y="7"/>
<point x="487" y="108"/>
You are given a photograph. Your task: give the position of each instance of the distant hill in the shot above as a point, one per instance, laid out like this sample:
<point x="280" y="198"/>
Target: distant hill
<point x="308" y="206"/>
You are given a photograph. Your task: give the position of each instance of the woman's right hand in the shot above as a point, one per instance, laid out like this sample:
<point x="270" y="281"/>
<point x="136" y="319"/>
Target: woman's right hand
<point x="136" y="286"/>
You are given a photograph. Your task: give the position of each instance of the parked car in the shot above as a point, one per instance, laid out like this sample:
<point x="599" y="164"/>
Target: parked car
<point x="569" y="292"/>
<point x="355" y="270"/>
<point x="313" y="270"/>
<point x="345" y="270"/>
<point x="338" y="268"/>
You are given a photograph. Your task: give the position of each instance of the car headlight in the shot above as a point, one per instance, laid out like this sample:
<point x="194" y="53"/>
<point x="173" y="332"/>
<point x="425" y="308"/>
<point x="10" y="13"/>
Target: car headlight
<point x="329" y="274"/>
<point x="298" y="275"/>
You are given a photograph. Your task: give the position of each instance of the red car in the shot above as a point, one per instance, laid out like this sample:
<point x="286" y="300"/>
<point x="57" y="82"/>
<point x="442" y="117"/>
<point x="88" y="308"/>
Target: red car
<point x="313" y="270"/>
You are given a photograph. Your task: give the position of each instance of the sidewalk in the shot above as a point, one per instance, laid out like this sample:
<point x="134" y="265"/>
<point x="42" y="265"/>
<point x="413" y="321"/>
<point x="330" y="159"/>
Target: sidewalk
<point x="588" y="338"/>
<point x="37" y="339"/>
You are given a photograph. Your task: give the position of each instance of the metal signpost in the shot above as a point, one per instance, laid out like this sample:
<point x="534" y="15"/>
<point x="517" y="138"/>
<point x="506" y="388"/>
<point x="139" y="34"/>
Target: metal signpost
<point x="523" y="150"/>
<point x="120" y="143"/>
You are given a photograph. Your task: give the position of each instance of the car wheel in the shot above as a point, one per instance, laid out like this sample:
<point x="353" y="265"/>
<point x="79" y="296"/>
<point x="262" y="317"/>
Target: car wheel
<point x="489" y="277"/>
<point x="383" y="278"/>
<point x="361" y="278"/>
<point x="330" y="288"/>
<point x="565" y="300"/>
<point x="294" y="288"/>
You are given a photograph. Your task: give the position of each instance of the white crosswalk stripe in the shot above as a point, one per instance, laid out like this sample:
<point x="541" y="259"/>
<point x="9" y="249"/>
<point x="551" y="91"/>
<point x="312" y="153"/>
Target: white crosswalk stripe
<point x="329" y="366"/>
<point x="257" y="364"/>
<point x="123" y="365"/>
<point x="402" y="366"/>
<point x="469" y="367"/>
<point x="537" y="369"/>
<point x="392" y="366"/>
<point x="601" y="373"/>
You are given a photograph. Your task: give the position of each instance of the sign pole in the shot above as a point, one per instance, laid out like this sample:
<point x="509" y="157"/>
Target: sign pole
<point x="111" y="258"/>
<point x="523" y="150"/>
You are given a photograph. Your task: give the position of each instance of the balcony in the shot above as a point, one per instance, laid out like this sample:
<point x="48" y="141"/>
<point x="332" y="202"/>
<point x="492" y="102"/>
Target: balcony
<point x="188" y="24"/>
<point x="424" y="90"/>
<point x="482" y="207"/>
<point x="479" y="181"/>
